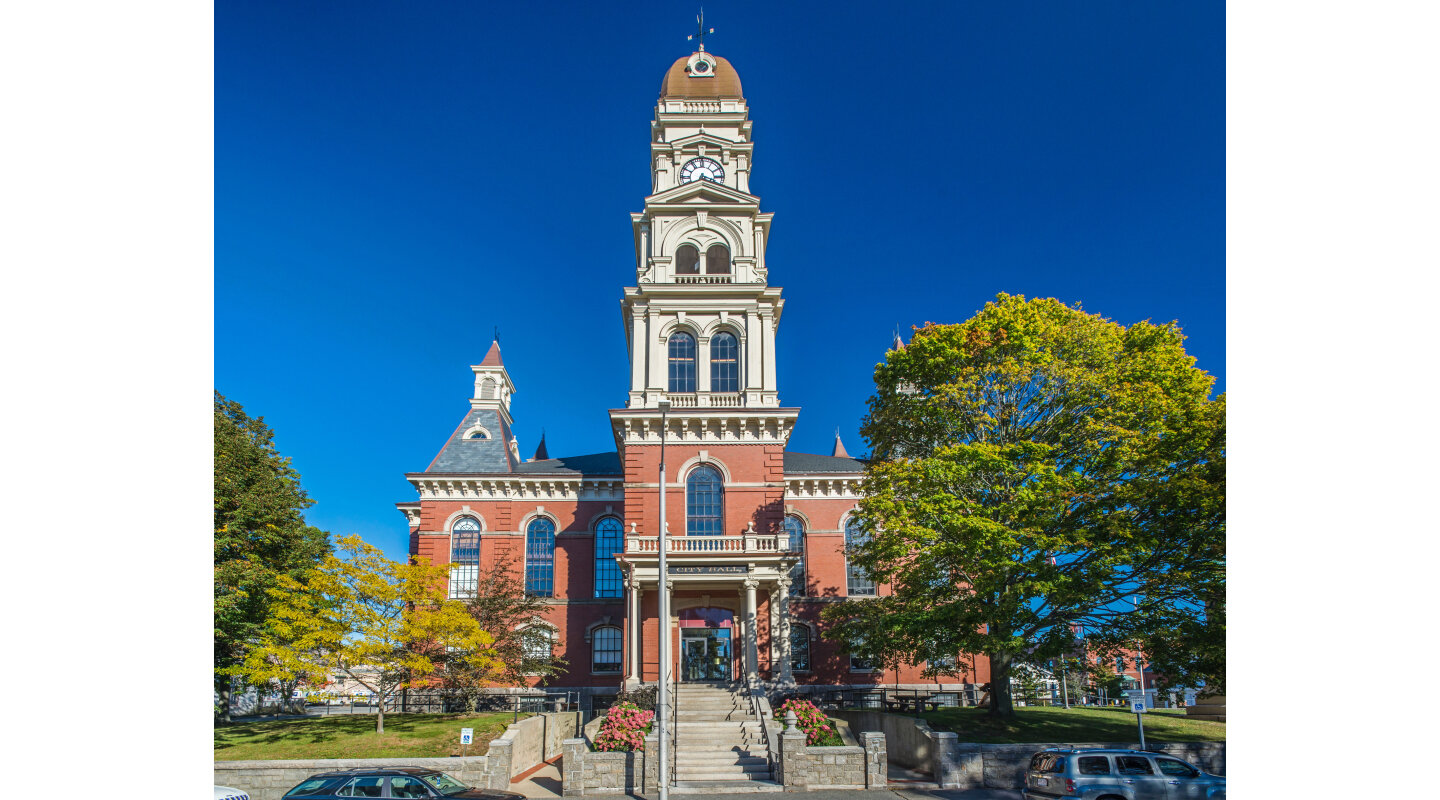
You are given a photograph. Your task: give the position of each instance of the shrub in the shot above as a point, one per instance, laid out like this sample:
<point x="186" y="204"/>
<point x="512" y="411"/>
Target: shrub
<point x="642" y="698"/>
<point x="819" y="730"/>
<point x="624" y="727"/>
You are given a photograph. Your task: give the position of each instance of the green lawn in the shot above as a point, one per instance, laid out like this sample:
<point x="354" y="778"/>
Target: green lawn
<point x="1086" y="724"/>
<point x="353" y="736"/>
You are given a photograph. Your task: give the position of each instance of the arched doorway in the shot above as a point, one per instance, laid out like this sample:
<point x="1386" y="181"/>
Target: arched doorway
<point x="705" y="644"/>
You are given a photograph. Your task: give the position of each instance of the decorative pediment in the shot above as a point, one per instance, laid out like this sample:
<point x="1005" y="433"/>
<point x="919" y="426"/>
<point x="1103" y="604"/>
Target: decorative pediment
<point x="701" y="191"/>
<point x="694" y="140"/>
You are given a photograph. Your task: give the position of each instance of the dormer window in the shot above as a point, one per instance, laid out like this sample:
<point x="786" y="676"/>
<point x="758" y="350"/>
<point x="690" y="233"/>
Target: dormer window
<point x="479" y="435"/>
<point x="717" y="260"/>
<point x="687" y="260"/>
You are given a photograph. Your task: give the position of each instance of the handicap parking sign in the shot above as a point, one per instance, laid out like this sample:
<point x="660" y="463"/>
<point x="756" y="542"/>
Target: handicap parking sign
<point x="1137" y="706"/>
<point x="467" y="735"/>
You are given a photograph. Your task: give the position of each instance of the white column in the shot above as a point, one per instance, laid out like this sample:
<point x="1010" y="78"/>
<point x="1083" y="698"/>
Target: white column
<point x="636" y="653"/>
<point x="786" y="676"/>
<point x="767" y="327"/>
<point x="754" y="346"/>
<point x="638" y="352"/>
<point x="702" y="364"/>
<point x="752" y="652"/>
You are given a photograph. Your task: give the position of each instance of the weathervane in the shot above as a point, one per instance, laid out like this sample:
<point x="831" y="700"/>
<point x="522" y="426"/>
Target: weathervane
<point x="700" y="30"/>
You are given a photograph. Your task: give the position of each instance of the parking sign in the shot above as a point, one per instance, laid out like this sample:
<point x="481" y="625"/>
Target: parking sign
<point x="467" y="735"/>
<point x="1137" y="706"/>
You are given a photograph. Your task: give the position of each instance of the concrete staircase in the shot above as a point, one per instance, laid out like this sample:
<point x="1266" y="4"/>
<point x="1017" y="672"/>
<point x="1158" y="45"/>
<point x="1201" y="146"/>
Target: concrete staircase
<point x="719" y="745"/>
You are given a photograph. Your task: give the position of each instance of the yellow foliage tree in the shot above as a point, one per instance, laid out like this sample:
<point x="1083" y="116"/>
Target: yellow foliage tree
<point x="360" y="614"/>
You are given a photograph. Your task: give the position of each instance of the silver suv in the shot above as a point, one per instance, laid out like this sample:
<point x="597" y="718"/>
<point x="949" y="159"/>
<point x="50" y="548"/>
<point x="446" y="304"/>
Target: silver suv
<point x="1058" y="774"/>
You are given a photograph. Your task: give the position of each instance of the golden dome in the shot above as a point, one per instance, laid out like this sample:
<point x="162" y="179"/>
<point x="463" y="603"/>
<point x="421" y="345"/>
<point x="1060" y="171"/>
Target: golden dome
<point x="679" y="83"/>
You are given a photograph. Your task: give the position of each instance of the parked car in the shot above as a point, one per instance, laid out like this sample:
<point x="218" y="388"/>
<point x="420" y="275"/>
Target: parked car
<point x="227" y="793"/>
<point x="400" y="782"/>
<point x="1096" y="774"/>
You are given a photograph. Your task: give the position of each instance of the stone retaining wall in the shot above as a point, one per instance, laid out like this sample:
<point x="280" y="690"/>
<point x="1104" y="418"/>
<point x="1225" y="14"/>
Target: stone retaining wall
<point x="591" y="773"/>
<point x="805" y="768"/>
<point x="522" y="746"/>
<point x="268" y="780"/>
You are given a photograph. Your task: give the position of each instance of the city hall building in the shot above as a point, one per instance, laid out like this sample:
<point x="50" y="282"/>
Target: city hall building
<point x="757" y="532"/>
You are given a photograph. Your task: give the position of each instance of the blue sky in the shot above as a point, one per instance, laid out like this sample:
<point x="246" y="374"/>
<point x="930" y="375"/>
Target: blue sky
<point x="392" y="183"/>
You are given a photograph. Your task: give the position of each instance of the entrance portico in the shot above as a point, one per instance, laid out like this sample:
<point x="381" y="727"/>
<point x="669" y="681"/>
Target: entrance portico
<point x="712" y="581"/>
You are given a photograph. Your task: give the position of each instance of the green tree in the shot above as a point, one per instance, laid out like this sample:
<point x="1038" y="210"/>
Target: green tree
<point x="377" y="621"/>
<point x="260" y="534"/>
<point x="521" y="643"/>
<point x="1033" y="469"/>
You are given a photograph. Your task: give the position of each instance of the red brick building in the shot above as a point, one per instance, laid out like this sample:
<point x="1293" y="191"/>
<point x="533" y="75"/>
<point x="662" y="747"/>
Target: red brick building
<point x="757" y="532"/>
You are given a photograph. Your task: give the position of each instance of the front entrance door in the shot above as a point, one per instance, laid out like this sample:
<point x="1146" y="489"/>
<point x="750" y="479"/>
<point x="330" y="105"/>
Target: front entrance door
<point x="705" y="654"/>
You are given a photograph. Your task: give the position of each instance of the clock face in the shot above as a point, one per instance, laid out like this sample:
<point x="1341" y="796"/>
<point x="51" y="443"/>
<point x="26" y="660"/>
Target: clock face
<point x="702" y="168"/>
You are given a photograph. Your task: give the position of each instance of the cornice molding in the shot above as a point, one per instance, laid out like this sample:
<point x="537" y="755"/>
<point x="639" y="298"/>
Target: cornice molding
<point x="704" y="426"/>
<point x="516" y="487"/>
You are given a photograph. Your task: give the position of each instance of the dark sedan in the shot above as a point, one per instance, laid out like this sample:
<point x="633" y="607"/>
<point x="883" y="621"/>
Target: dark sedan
<point x="406" y="782"/>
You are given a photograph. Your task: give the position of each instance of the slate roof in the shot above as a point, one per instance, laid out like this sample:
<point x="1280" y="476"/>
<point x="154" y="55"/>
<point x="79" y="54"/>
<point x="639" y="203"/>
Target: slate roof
<point x="593" y="464"/>
<point x="476" y="455"/>
<point x="810" y="463"/>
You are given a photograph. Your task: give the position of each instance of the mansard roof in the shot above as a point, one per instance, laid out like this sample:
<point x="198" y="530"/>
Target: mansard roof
<point x="811" y="463"/>
<point x="492" y="454"/>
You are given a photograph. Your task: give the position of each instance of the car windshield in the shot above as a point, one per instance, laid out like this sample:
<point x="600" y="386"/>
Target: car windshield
<point x="444" y="784"/>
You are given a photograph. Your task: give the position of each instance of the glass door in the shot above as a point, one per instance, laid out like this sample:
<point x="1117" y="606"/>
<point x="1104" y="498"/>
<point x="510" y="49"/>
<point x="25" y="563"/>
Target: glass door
<point x="705" y="654"/>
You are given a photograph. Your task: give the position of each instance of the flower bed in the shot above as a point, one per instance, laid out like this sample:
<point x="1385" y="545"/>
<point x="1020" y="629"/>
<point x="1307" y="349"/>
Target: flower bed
<point x="624" y="728"/>
<point x="819" y="730"/>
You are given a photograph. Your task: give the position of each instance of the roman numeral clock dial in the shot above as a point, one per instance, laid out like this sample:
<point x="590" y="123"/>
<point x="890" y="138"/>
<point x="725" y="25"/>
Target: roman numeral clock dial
<point x="704" y="168"/>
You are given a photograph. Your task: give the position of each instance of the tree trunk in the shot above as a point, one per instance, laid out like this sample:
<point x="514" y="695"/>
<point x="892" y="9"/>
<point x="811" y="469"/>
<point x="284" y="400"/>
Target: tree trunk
<point x="222" y="687"/>
<point x="1000" y="701"/>
<point x="380" y="716"/>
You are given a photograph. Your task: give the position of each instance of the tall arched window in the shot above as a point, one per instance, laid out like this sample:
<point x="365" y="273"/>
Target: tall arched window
<point x="540" y="557"/>
<point x="464" y="558"/>
<point x="717" y="260"/>
<point x="799" y="648"/>
<point x="682" y="362"/>
<point x="857" y="583"/>
<point x="724" y="363"/>
<point x="704" y="502"/>
<point x="687" y="260"/>
<point x="605" y="649"/>
<point x="796" y="530"/>
<point x="607" y="569"/>
<point x="489" y="389"/>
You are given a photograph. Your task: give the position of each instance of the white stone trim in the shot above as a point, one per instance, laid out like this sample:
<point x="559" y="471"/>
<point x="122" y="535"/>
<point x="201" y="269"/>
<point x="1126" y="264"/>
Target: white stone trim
<point x="538" y="513"/>
<point x="465" y="511"/>
<point x="558" y="488"/>
<point x="683" y="472"/>
<point x="477" y="427"/>
<point x="822" y="486"/>
<point x="724" y="427"/>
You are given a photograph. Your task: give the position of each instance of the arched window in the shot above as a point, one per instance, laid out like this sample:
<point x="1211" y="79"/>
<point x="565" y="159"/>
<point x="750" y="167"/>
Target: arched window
<point x="607" y="569"/>
<point x="464" y="558"/>
<point x="859" y="663"/>
<point x="724" y="363"/>
<point x="796" y="530"/>
<point x="479" y="435"/>
<point x="799" y="648"/>
<point x="682" y="362"/>
<point x="858" y="584"/>
<point x="605" y="649"/>
<point x="540" y="557"/>
<point x="488" y="389"/>
<point x="687" y="260"/>
<point x="717" y="260"/>
<point x="704" y="502"/>
<point x="539" y="642"/>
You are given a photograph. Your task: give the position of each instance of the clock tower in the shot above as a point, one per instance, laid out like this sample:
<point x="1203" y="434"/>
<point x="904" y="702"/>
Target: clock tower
<point x="701" y="320"/>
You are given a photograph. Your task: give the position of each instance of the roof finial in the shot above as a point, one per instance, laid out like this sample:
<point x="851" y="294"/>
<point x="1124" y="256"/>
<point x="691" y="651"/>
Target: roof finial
<point x="700" y="30"/>
<point x="497" y="334"/>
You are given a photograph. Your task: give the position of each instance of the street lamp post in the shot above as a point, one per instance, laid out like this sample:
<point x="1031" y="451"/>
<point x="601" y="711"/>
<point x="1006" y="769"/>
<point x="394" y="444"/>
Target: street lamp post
<point x="664" y="613"/>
